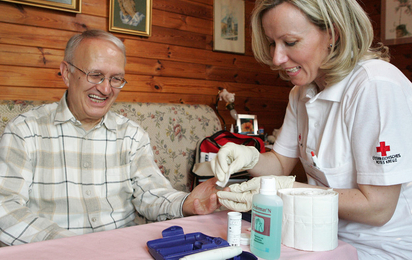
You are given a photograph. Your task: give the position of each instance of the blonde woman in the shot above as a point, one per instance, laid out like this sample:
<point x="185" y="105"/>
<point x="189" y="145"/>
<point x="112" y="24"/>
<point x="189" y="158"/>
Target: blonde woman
<point x="350" y="107"/>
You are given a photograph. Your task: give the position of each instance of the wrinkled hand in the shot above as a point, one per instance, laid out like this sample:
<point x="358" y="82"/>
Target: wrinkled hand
<point x="239" y="198"/>
<point x="233" y="158"/>
<point x="202" y="200"/>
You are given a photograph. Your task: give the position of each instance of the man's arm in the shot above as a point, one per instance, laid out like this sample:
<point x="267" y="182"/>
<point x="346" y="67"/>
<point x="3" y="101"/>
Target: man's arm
<point x="154" y="197"/>
<point x="18" y="225"/>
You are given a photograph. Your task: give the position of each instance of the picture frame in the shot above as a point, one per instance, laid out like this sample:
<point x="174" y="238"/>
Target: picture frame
<point x="131" y="17"/>
<point x="229" y="26"/>
<point x="396" y="22"/>
<point x="247" y="124"/>
<point x="74" y="6"/>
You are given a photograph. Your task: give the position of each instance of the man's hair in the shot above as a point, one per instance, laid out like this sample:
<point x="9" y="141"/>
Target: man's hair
<point x="345" y="20"/>
<point x="75" y="41"/>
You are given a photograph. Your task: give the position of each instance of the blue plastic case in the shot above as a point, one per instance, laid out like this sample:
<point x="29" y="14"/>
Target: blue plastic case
<point x="175" y="245"/>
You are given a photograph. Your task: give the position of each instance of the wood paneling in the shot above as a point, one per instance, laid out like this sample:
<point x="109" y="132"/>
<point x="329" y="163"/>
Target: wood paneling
<point x="176" y="64"/>
<point x="401" y="53"/>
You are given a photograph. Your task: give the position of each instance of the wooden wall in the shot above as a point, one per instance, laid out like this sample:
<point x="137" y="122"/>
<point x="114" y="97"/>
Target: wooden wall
<point x="401" y="54"/>
<point x="176" y="64"/>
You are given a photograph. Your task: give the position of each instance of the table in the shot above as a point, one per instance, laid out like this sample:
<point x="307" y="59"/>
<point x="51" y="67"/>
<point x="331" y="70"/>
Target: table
<point x="130" y="243"/>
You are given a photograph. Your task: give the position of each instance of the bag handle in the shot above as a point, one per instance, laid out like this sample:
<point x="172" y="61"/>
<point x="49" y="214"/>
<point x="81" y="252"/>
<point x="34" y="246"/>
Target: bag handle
<point x="247" y="140"/>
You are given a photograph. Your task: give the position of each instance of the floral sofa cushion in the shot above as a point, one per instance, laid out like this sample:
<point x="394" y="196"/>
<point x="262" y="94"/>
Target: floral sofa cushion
<point x="174" y="130"/>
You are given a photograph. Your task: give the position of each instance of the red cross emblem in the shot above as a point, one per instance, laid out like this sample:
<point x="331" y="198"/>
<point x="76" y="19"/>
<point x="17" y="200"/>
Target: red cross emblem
<point x="383" y="148"/>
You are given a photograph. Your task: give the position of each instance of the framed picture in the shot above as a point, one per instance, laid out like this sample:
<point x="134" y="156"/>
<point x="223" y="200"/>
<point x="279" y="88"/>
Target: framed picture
<point x="74" y="6"/>
<point x="247" y="124"/>
<point x="396" y="21"/>
<point x="131" y="17"/>
<point x="229" y="26"/>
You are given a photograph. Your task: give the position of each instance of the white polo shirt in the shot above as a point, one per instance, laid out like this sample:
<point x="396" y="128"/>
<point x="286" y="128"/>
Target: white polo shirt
<point x="361" y="132"/>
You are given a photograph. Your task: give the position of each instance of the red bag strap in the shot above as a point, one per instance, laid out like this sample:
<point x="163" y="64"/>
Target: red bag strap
<point x="237" y="138"/>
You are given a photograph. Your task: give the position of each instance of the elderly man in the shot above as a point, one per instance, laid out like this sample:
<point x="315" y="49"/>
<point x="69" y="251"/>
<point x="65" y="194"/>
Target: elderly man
<point x="74" y="167"/>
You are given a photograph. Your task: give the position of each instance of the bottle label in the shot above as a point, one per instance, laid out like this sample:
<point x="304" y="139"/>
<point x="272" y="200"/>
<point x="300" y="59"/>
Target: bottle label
<point x="261" y="220"/>
<point x="261" y="224"/>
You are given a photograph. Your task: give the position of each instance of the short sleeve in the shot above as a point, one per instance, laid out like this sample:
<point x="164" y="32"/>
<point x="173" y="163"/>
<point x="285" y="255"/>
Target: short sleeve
<point x="379" y="117"/>
<point x="286" y="142"/>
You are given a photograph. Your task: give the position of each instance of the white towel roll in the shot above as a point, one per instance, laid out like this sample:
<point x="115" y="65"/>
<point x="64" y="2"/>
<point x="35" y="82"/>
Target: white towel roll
<point x="310" y="219"/>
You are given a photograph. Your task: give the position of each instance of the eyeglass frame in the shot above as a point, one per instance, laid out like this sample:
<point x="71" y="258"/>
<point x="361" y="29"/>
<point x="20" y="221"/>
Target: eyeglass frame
<point x="101" y="80"/>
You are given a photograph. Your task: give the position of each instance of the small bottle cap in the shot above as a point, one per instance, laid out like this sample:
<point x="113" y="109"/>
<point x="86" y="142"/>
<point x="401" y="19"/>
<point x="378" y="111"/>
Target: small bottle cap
<point x="244" y="239"/>
<point x="268" y="185"/>
<point x="234" y="215"/>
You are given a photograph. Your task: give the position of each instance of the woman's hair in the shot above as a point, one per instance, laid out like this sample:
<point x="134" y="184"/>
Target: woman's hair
<point x="75" y="41"/>
<point x="345" y="20"/>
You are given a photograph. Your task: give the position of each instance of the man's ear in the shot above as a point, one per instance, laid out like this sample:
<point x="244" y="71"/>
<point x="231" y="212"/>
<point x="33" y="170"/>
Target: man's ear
<point x="64" y="71"/>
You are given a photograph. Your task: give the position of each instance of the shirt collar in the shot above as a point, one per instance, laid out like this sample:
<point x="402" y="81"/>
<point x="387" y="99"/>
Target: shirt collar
<point x="333" y="93"/>
<point x="63" y="115"/>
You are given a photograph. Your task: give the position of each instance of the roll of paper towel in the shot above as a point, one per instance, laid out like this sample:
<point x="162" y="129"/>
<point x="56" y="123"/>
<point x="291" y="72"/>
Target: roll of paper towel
<point x="310" y="219"/>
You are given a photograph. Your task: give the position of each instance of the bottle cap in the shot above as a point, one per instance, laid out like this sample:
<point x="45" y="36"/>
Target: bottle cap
<point x="244" y="239"/>
<point x="268" y="185"/>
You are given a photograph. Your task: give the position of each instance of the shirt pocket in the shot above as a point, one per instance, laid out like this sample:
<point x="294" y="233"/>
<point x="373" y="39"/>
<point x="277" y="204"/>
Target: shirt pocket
<point x="341" y="177"/>
<point x="121" y="171"/>
<point x="118" y="181"/>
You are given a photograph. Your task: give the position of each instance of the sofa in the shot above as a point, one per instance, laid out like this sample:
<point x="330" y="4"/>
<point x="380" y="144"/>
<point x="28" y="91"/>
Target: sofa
<point x="174" y="130"/>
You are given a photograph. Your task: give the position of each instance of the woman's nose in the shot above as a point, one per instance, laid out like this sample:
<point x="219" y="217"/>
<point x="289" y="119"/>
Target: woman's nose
<point x="278" y="56"/>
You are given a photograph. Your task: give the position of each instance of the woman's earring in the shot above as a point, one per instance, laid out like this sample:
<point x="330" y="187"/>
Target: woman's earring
<point x="330" y="46"/>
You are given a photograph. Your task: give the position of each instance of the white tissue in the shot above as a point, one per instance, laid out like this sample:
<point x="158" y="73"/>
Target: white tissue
<point x="310" y="219"/>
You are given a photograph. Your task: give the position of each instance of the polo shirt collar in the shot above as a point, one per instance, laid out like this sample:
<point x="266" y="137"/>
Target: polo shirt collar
<point x="333" y="93"/>
<point x="63" y="115"/>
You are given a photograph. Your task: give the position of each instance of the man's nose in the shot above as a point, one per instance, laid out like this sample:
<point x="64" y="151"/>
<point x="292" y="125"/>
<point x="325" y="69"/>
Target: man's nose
<point x="105" y="87"/>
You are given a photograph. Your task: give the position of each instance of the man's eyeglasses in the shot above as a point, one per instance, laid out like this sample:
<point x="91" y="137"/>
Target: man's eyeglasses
<point x="97" y="78"/>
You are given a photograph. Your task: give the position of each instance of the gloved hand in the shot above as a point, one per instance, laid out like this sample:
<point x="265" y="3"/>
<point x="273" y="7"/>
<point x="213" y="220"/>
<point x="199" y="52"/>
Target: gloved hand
<point x="239" y="198"/>
<point x="233" y="158"/>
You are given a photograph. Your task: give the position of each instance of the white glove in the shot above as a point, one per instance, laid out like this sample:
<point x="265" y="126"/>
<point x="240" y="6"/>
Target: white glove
<point x="239" y="198"/>
<point x="233" y="158"/>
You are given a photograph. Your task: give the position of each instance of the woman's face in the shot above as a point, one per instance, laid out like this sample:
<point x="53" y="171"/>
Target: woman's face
<point x="297" y="45"/>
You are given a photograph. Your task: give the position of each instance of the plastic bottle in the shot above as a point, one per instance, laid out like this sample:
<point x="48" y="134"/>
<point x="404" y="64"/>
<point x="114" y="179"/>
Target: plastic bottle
<point x="267" y="210"/>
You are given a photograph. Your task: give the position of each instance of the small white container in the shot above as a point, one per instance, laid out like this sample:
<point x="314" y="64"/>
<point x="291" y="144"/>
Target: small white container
<point x="234" y="228"/>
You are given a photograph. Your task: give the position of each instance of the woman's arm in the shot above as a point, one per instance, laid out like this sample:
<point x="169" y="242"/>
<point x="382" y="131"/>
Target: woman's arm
<point x="272" y="163"/>
<point x="372" y="205"/>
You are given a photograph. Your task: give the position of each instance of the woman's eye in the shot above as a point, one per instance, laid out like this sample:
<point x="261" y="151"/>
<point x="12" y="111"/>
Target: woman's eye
<point x="290" y="43"/>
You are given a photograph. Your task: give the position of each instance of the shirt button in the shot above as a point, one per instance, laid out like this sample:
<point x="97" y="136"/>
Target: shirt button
<point x="94" y="219"/>
<point x="85" y="165"/>
<point x="88" y="192"/>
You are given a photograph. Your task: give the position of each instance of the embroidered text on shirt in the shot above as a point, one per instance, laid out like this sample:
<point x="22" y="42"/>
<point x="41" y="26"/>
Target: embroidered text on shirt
<point x="385" y="159"/>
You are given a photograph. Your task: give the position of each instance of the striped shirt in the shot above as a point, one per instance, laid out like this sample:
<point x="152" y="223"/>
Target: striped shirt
<point x="58" y="180"/>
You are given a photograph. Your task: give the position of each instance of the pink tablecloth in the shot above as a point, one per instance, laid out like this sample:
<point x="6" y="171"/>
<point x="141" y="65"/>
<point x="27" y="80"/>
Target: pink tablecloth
<point x="130" y="243"/>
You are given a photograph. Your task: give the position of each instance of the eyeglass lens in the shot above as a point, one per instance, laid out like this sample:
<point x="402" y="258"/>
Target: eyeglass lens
<point x="97" y="78"/>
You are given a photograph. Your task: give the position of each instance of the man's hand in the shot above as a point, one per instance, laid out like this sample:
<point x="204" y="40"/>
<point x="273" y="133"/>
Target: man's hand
<point x="239" y="198"/>
<point x="202" y="200"/>
<point x="233" y="158"/>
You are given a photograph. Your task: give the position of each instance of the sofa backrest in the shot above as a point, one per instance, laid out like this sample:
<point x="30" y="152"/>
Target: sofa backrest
<point x="174" y="130"/>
